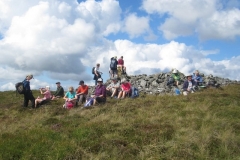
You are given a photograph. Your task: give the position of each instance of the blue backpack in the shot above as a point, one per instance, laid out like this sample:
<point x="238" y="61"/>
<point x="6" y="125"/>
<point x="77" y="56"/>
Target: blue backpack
<point x="135" y="92"/>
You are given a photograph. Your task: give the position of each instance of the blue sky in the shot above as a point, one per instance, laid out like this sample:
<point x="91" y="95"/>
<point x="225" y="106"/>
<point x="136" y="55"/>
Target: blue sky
<point x="62" y="40"/>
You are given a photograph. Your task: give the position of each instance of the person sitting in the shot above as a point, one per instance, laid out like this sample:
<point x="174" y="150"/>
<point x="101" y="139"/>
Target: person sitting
<point x="197" y="78"/>
<point x="113" y="88"/>
<point x="47" y="96"/>
<point x="125" y="89"/>
<point x="82" y="92"/>
<point x="70" y="98"/>
<point x="100" y="92"/>
<point x="59" y="92"/>
<point x="176" y="77"/>
<point x="188" y="85"/>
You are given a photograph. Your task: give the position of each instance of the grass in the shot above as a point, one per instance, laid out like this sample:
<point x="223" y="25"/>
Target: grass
<point x="203" y="125"/>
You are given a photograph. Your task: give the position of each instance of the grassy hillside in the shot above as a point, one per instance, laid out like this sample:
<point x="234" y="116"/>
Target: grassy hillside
<point x="204" y="125"/>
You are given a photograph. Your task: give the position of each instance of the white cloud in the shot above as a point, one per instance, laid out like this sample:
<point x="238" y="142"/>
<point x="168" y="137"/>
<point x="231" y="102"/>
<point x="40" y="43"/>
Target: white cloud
<point x="204" y="17"/>
<point x="136" y="26"/>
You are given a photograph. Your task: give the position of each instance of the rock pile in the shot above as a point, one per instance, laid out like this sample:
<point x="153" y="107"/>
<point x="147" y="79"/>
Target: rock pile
<point x="157" y="83"/>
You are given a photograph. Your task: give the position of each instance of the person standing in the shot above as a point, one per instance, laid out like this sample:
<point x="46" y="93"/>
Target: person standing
<point x="97" y="73"/>
<point x="28" y="93"/>
<point x="100" y="92"/>
<point x="82" y="92"/>
<point x="59" y="92"/>
<point x="113" y="66"/>
<point x="121" y="64"/>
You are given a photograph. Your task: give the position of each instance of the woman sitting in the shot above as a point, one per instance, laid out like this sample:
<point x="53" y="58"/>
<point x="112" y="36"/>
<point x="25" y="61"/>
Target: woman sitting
<point x="125" y="89"/>
<point x="70" y="98"/>
<point x="47" y="96"/>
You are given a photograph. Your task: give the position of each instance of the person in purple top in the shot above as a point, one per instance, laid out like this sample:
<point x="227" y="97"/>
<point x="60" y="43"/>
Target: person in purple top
<point x="100" y="92"/>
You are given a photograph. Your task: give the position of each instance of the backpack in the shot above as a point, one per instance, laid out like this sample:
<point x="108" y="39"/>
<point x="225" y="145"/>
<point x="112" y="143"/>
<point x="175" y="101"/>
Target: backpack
<point x="113" y="64"/>
<point x="93" y="70"/>
<point x="20" y="88"/>
<point x="135" y="92"/>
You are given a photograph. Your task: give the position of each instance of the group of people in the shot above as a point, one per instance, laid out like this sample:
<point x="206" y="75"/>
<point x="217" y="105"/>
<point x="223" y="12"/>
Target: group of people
<point x="47" y="96"/>
<point x="116" y="89"/>
<point x="116" y="68"/>
<point x="189" y="84"/>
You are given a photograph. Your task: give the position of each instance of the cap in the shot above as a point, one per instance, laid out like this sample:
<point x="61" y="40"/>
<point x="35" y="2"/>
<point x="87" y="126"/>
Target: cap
<point x="189" y="75"/>
<point x="57" y="82"/>
<point x="30" y="75"/>
<point x="81" y="82"/>
<point x="99" y="79"/>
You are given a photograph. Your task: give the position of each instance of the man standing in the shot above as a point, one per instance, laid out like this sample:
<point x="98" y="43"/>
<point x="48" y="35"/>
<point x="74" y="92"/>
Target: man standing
<point x="100" y="92"/>
<point x="113" y="66"/>
<point x="82" y="92"/>
<point x="97" y="73"/>
<point x="59" y="92"/>
<point x="28" y="93"/>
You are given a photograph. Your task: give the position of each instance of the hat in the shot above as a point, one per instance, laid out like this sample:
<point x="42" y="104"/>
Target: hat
<point x="57" y="82"/>
<point x="30" y="75"/>
<point x="99" y="79"/>
<point x="189" y="75"/>
<point x="174" y="71"/>
<point x="81" y="82"/>
<point x="48" y="87"/>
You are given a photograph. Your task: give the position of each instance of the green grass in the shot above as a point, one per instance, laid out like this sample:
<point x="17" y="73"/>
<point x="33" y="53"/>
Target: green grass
<point x="203" y="125"/>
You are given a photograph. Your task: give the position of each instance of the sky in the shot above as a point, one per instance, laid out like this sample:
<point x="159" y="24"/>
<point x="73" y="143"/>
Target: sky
<point x="61" y="40"/>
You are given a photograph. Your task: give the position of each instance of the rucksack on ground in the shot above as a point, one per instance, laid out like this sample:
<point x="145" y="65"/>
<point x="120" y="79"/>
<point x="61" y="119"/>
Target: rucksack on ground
<point x="93" y="70"/>
<point x="20" y="88"/>
<point x="135" y="92"/>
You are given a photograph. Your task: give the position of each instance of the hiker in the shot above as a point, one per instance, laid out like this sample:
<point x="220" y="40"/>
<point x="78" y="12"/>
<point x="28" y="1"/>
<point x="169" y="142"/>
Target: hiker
<point x="197" y="78"/>
<point x="46" y="96"/>
<point x="100" y="92"/>
<point x="175" y="77"/>
<point x="189" y="85"/>
<point x="28" y="93"/>
<point x="113" y="67"/>
<point x="59" y="92"/>
<point x="113" y="88"/>
<point x="70" y="98"/>
<point x="82" y="92"/>
<point x="121" y="64"/>
<point x="97" y="73"/>
<point x="125" y="89"/>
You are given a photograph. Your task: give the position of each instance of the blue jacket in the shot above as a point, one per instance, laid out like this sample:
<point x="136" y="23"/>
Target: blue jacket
<point x="185" y="84"/>
<point x="26" y="85"/>
<point x="197" y="78"/>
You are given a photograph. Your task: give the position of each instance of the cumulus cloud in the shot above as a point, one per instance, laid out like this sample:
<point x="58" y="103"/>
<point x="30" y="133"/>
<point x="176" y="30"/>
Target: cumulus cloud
<point x="62" y="40"/>
<point x="204" y="17"/>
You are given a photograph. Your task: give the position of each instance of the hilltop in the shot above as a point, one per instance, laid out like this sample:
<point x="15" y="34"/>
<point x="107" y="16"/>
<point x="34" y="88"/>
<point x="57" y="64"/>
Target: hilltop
<point x="203" y="125"/>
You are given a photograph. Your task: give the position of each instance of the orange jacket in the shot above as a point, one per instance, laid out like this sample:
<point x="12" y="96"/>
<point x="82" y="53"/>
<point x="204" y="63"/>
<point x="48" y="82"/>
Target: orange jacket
<point x="83" y="89"/>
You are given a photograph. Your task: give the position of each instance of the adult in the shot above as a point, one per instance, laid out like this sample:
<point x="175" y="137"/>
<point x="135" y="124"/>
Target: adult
<point x="121" y="64"/>
<point x="176" y="77"/>
<point x="46" y="96"/>
<point x="113" y="66"/>
<point x="97" y="73"/>
<point x="113" y="87"/>
<point x="197" y="78"/>
<point x="188" y="85"/>
<point x="70" y="98"/>
<point x="28" y="93"/>
<point x="59" y="92"/>
<point x="100" y="92"/>
<point x="82" y="92"/>
<point x="125" y="89"/>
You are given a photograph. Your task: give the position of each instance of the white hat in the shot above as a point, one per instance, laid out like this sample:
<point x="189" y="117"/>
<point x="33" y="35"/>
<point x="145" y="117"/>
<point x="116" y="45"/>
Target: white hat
<point x="99" y="79"/>
<point x="174" y="71"/>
